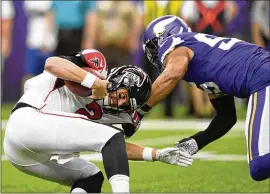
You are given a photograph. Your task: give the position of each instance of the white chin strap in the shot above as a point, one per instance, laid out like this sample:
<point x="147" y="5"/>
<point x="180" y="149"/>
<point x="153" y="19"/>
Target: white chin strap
<point x="106" y="100"/>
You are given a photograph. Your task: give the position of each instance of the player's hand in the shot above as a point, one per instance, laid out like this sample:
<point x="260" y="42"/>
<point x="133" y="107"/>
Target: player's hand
<point x="188" y="145"/>
<point x="139" y="115"/>
<point x="143" y="111"/>
<point x="131" y="128"/>
<point x="174" y="156"/>
<point x="99" y="89"/>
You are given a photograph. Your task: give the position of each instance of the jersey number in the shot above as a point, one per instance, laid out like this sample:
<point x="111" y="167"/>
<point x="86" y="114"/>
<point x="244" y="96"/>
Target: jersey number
<point x="213" y="41"/>
<point x="208" y="87"/>
<point x="93" y="111"/>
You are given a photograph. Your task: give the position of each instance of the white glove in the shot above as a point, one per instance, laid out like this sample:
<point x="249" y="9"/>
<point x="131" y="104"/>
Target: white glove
<point x="188" y="145"/>
<point x="174" y="156"/>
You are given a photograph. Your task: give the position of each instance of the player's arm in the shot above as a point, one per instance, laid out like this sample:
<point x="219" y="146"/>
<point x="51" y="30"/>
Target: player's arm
<point x="176" y="65"/>
<point x="70" y="70"/>
<point x="167" y="155"/>
<point x="65" y="69"/>
<point x="219" y="126"/>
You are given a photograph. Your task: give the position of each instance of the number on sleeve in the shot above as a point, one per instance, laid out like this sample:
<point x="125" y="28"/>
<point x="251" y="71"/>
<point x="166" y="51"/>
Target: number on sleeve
<point x="208" y="87"/>
<point x="213" y="41"/>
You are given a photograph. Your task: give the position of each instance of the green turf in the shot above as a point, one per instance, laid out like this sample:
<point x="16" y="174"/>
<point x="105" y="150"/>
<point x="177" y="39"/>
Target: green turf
<point x="203" y="176"/>
<point x="159" y="139"/>
<point x="5" y="111"/>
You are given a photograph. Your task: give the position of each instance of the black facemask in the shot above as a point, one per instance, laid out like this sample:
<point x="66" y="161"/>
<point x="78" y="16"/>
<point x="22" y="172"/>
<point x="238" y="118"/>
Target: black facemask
<point x="151" y="52"/>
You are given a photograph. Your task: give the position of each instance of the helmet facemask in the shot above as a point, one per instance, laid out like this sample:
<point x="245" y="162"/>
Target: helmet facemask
<point x="127" y="107"/>
<point x="151" y="52"/>
<point x="137" y="85"/>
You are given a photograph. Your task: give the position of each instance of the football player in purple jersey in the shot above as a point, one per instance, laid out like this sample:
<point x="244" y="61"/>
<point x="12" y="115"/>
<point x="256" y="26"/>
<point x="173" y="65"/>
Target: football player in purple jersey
<point x="222" y="67"/>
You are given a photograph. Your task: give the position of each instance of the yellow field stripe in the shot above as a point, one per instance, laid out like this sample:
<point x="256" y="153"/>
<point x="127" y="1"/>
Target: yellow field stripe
<point x="251" y="125"/>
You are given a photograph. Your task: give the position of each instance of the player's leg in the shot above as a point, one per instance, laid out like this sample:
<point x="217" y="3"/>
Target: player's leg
<point x="82" y="176"/>
<point x="86" y="135"/>
<point x="257" y="134"/>
<point x="66" y="133"/>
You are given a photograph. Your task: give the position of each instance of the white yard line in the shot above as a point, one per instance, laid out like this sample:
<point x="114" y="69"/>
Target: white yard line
<point x="172" y="125"/>
<point x="209" y="155"/>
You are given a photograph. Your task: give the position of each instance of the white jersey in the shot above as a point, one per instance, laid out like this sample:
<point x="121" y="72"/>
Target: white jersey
<point x="48" y="93"/>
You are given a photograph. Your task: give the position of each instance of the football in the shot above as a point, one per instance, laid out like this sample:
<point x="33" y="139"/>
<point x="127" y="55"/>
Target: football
<point x="78" y="89"/>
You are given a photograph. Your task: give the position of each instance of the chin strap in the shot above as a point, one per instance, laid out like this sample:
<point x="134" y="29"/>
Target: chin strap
<point x="106" y="100"/>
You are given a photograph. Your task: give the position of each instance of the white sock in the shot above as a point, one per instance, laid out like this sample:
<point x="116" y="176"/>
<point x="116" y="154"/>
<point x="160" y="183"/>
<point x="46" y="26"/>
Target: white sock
<point x="78" y="190"/>
<point x="119" y="183"/>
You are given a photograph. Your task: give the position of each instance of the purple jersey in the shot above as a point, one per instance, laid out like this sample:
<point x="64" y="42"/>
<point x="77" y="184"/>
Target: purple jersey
<point x="222" y="65"/>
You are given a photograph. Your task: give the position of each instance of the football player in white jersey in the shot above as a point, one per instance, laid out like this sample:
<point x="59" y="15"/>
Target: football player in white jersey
<point x="50" y="125"/>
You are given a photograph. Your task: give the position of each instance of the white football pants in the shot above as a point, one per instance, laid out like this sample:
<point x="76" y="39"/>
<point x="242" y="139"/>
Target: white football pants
<point x="257" y="130"/>
<point x="43" y="144"/>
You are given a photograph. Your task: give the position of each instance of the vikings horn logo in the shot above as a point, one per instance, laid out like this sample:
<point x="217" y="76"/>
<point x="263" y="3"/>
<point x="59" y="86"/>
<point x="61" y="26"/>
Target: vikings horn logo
<point x="160" y="27"/>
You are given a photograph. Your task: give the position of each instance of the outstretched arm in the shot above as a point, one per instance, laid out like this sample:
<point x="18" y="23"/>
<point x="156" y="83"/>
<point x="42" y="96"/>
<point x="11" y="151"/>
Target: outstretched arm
<point x="219" y="126"/>
<point x="176" y="65"/>
<point x="167" y="155"/>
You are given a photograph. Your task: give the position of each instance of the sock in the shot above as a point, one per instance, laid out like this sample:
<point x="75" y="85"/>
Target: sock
<point x="78" y="190"/>
<point x="119" y="183"/>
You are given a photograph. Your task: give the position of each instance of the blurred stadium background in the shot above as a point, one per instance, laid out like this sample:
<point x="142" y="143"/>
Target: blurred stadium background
<point x="33" y="30"/>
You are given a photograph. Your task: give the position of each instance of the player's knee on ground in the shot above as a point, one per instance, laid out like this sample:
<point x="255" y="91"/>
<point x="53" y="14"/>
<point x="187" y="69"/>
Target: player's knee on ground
<point x="92" y="184"/>
<point x="260" y="168"/>
<point x="115" y="158"/>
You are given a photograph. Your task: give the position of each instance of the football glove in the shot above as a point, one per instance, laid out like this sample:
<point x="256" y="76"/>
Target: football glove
<point x="174" y="156"/>
<point x="143" y="110"/>
<point x="188" y="145"/>
<point x="131" y="128"/>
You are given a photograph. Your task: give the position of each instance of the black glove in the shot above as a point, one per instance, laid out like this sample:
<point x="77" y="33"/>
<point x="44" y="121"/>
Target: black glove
<point x="143" y="110"/>
<point x="131" y="128"/>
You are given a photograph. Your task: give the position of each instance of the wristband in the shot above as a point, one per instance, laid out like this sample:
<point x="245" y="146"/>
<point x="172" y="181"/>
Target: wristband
<point x="144" y="109"/>
<point x="89" y="80"/>
<point x="147" y="154"/>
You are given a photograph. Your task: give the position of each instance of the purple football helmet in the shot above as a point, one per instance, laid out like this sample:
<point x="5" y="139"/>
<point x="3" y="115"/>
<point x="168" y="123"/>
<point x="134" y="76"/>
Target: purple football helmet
<point x="157" y="31"/>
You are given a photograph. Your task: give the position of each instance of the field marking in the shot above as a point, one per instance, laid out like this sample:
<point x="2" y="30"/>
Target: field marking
<point x="158" y="141"/>
<point x="208" y="156"/>
<point x="172" y="125"/>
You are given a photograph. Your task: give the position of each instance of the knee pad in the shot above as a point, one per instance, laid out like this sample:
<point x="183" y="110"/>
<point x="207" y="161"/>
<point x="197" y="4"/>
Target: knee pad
<point x="260" y="168"/>
<point x="92" y="184"/>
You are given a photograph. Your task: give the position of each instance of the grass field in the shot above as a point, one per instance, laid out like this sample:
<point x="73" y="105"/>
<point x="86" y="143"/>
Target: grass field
<point x="220" y="167"/>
